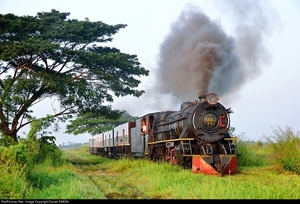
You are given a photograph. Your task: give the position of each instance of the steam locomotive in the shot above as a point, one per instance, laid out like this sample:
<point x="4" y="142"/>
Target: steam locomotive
<point x="195" y="137"/>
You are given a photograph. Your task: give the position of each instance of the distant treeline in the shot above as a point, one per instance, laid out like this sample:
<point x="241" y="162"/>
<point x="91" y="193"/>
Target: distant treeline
<point x="72" y="145"/>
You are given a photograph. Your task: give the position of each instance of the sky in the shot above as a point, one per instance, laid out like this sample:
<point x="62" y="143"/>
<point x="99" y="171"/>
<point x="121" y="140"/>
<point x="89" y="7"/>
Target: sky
<point x="246" y="51"/>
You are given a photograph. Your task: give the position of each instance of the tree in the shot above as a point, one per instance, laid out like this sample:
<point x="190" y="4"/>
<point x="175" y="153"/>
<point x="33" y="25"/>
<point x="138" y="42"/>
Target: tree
<point x="49" y="56"/>
<point x="89" y="123"/>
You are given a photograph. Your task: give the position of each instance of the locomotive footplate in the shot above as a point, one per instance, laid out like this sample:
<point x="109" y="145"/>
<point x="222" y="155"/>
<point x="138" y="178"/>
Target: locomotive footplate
<point x="207" y="164"/>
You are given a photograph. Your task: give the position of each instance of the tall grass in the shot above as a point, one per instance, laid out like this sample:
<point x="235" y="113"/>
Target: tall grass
<point x="285" y="145"/>
<point x="252" y="154"/>
<point x="60" y="182"/>
<point x="36" y="169"/>
<point x="165" y="181"/>
<point x="17" y="162"/>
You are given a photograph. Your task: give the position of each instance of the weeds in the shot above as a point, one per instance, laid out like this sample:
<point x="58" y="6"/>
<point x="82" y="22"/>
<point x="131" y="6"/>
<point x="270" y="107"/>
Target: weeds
<point x="37" y="169"/>
<point x="286" y="148"/>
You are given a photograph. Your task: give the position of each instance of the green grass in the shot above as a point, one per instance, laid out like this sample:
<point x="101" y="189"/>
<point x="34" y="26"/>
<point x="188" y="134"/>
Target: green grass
<point x="266" y="171"/>
<point x="61" y="183"/>
<point x="163" y="181"/>
<point x="285" y="145"/>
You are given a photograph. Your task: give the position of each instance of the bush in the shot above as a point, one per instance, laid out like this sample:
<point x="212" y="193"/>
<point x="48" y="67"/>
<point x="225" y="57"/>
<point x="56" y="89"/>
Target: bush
<point x="286" y="148"/>
<point x="249" y="153"/>
<point x="17" y="162"/>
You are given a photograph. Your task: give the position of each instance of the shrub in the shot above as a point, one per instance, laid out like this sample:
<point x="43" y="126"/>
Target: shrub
<point x="248" y="153"/>
<point x="18" y="160"/>
<point x="286" y="148"/>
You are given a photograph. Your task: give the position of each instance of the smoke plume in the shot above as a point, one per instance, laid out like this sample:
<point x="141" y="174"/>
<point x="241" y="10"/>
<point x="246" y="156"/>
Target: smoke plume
<point x="198" y="57"/>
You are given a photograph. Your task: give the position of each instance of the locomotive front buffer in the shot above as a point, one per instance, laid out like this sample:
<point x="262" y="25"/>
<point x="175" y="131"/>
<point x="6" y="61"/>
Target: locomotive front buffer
<point x="217" y="164"/>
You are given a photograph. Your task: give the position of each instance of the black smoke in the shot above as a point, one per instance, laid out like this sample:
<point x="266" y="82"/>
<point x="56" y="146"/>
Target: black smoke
<point x="198" y="57"/>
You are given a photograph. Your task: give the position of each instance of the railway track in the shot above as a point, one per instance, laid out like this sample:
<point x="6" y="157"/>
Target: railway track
<point x="106" y="183"/>
<point x="80" y="167"/>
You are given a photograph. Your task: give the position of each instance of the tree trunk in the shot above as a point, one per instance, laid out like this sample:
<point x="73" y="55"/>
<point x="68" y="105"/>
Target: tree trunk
<point x="13" y="135"/>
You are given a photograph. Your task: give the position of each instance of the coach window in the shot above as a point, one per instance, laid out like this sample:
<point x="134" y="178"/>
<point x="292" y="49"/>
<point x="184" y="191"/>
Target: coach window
<point x="143" y="127"/>
<point x="123" y="137"/>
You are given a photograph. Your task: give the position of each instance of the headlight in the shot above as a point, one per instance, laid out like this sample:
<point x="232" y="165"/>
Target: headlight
<point x="212" y="99"/>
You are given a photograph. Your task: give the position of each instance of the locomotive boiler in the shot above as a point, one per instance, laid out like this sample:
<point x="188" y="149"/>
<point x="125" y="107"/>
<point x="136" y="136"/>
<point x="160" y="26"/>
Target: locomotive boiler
<point x="195" y="137"/>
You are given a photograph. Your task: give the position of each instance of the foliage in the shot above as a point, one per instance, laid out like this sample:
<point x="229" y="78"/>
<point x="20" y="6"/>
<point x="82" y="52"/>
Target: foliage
<point x="249" y="153"/>
<point x="6" y="141"/>
<point x="165" y="181"/>
<point x="18" y="160"/>
<point x="94" y="124"/>
<point x="13" y="170"/>
<point x="49" y="56"/>
<point x="60" y="182"/>
<point x="286" y="148"/>
<point x="155" y="180"/>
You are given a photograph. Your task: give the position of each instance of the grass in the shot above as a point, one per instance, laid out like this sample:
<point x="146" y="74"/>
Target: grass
<point x="163" y="181"/>
<point x="266" y="171"/>
<point x="48" y="182"/>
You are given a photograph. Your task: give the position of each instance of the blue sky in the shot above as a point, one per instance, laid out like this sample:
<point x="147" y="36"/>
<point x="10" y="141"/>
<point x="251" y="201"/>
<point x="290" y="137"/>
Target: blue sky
<point x="262" y="91"/>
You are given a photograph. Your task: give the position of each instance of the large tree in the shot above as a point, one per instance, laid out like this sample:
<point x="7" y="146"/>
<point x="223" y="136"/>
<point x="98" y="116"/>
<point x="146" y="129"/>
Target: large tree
<point x="89" y="123"/>
<point x="52" y="56"/>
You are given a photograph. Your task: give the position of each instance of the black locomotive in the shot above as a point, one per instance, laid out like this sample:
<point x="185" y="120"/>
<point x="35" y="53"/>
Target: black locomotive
<point x="195" y="137"/>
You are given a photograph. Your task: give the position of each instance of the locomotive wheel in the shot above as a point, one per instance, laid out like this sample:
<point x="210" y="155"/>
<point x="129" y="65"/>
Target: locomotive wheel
<point x="157" y="154"/>
<point x="171" y="156"/>
<point x="187" y="163"/>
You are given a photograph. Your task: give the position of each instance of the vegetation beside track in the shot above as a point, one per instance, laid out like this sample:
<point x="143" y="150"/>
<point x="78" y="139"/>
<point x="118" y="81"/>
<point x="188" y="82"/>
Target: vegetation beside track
<point x="266" y="171"/>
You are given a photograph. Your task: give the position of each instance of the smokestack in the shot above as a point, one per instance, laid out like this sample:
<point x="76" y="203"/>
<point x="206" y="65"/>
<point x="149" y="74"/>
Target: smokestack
<point x="202" y="98"/>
